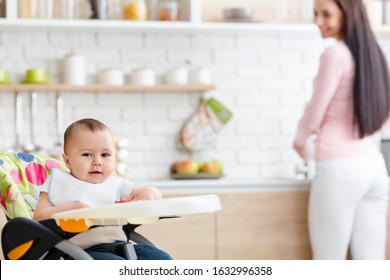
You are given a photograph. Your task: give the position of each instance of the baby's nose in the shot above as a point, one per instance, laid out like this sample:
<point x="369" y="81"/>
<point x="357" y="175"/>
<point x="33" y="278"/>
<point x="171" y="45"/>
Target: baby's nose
<point x="96" y="161"/>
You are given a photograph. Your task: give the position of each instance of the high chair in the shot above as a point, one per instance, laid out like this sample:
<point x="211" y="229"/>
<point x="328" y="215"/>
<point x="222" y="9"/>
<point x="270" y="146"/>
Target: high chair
<point x="24" y="238"/>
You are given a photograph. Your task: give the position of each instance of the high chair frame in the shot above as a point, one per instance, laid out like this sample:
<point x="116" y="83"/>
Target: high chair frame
<point x="25" y="238"/>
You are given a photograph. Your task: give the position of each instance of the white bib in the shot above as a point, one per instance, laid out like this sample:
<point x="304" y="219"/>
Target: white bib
<point x="64" y="188"/>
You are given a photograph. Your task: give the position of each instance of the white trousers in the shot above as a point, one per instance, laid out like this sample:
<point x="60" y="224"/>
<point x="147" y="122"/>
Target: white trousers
<point x="348" y="208"/>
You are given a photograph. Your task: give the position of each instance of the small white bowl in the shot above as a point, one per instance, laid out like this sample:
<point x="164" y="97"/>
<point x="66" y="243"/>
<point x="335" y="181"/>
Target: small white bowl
<point x="200" y="75"/>
<point x="143" y="77"/>
<point x="237" y="14"/>
<point x="112" y="76"/>
<point x="177" y="75"/>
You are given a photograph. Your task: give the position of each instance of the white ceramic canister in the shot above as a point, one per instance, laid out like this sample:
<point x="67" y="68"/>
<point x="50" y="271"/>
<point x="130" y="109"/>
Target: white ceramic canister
<point x="111" y="76"/>
<point x="74" y="69"/>
<point x="177" y="75"/>
<point x="200" y="75"/>
<point x="143" y="77"/>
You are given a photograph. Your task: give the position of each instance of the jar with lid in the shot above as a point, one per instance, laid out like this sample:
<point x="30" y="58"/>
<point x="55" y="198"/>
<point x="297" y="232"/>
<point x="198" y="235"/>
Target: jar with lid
<point x="74" y="69"/>
<point x="168" y="10"/>
<point x="135" y="10"/>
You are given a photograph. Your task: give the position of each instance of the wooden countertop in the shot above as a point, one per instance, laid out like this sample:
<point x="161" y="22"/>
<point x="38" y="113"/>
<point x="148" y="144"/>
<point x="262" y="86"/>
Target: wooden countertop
<point x="228" y="185"/>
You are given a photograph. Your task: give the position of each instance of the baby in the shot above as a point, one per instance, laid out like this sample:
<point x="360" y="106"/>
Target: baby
<point x="89" y="153"/>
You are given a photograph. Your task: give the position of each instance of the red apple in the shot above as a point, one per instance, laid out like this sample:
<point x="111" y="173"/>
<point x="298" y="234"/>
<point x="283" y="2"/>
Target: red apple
<point x="210" y="167"/>
<point x="220" y="165"/>
<point x="187" y="167"/>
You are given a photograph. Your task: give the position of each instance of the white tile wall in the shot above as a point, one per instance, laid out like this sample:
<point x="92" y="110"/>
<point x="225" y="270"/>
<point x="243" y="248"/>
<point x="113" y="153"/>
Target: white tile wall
<point x="264" y="78"/>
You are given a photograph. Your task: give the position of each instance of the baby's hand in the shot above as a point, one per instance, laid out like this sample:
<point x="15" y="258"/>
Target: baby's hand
<point x="79" y="204"/>
<point x="140" y="194"/>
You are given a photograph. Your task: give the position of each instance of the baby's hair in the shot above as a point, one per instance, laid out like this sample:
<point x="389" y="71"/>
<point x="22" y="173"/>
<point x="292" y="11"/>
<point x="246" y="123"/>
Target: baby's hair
<point x="90" y="124"/>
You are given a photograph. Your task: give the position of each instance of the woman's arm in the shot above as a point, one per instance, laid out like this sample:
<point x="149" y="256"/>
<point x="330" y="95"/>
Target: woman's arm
<point x="325" y="86"/>
<point x="44" y="209"/>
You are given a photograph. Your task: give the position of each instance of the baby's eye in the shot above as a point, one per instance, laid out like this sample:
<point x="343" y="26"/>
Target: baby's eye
<point x="106" y="155"/>
<point x="86" y="154"/>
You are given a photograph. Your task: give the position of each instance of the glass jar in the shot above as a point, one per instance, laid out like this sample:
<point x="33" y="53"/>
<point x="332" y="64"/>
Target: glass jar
<point x="28" y="9"/>
<point x="168" y="10"/>
<point x="115" y="9"/>
<point x="2" y="9"/>
<point x="45" y="9"/>
<point x="99" y="9"/>
<point x="67" y="9"/>
<point x="135" y="10"/>
<point x="287" y="10"/>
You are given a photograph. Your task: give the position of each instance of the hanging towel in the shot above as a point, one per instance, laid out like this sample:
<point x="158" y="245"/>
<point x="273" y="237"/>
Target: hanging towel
<point x="203" y="126"/>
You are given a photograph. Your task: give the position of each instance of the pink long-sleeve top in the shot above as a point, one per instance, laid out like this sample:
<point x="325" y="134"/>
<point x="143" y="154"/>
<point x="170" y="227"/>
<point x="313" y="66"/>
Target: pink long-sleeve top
<point x="329" y="114"/>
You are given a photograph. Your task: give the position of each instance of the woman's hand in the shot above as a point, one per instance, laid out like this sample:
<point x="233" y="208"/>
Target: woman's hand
<point x="300" y="150"/>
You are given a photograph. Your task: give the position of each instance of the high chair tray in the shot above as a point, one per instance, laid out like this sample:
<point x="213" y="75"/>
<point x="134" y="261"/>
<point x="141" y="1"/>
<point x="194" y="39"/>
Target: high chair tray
<point x="137" y="212"/>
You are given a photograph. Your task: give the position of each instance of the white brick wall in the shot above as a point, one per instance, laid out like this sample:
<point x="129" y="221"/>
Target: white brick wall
<point x="264" y="78"/>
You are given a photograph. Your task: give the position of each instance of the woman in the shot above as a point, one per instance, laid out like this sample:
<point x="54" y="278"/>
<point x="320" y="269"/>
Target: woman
<point x="351" y="101"/>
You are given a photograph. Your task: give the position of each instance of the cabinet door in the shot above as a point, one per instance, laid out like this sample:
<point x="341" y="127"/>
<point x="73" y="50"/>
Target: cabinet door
<point x="190" y="237"/>
<point x="263" y="226"/>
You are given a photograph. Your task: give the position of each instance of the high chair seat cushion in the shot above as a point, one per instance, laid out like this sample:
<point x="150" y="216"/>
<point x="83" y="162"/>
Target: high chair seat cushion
<point x="20" y="175"/>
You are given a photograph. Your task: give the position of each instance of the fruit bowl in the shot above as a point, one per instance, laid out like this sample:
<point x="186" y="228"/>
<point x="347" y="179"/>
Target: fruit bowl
<point x="191" y="169"/>
<point x="198" y="176"/>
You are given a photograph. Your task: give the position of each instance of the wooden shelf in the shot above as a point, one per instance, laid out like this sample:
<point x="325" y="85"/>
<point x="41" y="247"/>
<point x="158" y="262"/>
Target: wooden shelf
<point x="190" y="20"/>
<point x="91" y="24"/>
<point x="126" y="25"/>
<point x="107" y="88"/>
<point x="107" y="25"/>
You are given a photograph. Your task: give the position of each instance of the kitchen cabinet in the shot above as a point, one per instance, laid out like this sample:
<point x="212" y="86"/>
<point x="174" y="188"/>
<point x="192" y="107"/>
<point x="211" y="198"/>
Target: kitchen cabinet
<point x="261" y="225"/>
<point x="286" y="11"/>
<point x="191" y="21"/>
<point x="190" y="10"/>
<point x="249" y="226"/>
<point x="192" y="237"/>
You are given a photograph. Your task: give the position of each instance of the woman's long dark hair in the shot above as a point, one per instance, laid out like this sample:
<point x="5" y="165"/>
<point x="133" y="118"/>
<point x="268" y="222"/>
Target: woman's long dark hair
<point x="371" y="91"/>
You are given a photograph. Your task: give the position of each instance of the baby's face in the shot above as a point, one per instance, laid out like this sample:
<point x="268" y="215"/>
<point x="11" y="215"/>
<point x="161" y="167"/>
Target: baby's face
<point x="90" y="155"/>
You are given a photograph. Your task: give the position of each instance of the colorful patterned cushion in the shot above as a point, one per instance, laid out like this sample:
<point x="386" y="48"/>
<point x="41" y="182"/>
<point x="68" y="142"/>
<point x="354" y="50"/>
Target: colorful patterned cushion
<point x="20" y="175"/>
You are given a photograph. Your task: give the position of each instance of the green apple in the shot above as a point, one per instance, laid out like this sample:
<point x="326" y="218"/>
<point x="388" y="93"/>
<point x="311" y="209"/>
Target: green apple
<point x="187" y="167"/>
<point x="200" y="164"/>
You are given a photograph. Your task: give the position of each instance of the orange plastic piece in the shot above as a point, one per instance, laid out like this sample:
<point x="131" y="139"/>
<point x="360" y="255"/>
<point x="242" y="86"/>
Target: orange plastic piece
<point x="19" y="251"/>
<point x="74" y="225"/>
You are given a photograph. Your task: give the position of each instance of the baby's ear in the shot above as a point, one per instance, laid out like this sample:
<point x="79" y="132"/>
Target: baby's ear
<point x="66" y="160"/>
